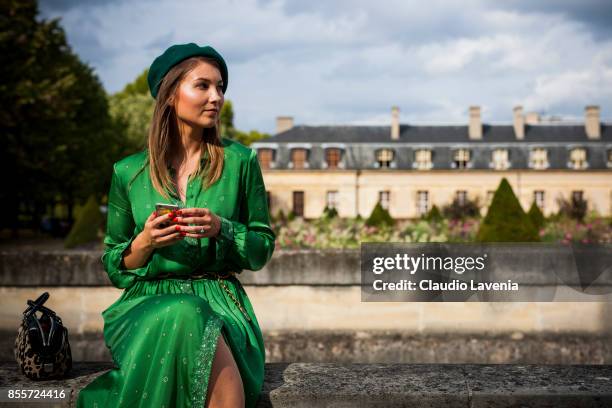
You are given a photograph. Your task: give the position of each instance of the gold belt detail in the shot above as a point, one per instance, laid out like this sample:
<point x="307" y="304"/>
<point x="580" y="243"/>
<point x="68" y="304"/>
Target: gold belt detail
<point x="220" y="276"/>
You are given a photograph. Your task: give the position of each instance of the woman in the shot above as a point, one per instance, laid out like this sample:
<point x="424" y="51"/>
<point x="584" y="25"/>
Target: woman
<point x="183" y="333"/>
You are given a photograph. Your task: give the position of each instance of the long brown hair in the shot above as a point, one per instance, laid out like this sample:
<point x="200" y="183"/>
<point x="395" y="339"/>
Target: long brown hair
<point x="164" y="133"/>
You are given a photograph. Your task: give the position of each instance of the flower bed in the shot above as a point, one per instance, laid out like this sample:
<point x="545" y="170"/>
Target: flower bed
<point x="349" y="232"/>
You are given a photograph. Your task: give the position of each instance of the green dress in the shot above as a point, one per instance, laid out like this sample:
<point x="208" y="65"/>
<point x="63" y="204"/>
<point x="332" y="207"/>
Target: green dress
<point x="162" y="333"/>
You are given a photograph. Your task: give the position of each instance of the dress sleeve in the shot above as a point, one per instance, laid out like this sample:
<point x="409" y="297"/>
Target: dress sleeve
<point x="249" y="242"/>
<point x="120" y="232"/>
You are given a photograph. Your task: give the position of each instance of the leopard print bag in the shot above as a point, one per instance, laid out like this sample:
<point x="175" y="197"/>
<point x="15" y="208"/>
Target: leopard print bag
<point x="42" y="350"/>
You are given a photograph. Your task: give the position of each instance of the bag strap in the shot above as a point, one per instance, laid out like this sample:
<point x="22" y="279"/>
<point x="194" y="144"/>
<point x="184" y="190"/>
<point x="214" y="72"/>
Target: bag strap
<point x="38" y="305"/>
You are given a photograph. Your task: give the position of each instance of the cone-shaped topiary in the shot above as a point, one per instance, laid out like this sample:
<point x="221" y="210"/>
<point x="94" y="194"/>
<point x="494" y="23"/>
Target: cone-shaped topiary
<point x="536" y="216"/>
<point x="506" y="220"/>
<point x="86" y="225"/>
<point x="379" y="216"/>
<point x="434" y="214"/>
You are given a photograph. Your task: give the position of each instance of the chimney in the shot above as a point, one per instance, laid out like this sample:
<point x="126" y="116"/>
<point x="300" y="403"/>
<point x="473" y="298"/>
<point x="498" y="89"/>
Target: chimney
<point x="532" y="118"/>
<point x="519" y="123"/>
<point x="283" y="123"/>
<point x="592" y="125"/>
<point x="475" y="127"/>
<point x="395" y="126"/>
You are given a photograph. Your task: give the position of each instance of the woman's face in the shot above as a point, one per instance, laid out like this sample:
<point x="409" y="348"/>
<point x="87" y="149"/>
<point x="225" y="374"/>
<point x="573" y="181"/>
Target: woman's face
<point x="199" y="97"/>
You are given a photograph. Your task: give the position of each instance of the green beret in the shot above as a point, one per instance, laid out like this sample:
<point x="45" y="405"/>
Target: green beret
<point x="177" y="53"/>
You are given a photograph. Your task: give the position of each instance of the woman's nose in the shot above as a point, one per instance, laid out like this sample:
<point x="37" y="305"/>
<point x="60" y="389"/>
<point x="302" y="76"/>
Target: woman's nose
<point x="215" y="95"/>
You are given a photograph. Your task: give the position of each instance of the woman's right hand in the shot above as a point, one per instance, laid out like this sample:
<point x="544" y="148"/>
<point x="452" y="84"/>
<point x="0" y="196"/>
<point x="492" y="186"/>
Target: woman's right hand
<point x="155" y="236"/>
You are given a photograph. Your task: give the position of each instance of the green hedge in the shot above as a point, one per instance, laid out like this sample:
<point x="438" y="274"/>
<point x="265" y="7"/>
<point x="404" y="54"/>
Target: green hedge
<point x="379" y="217"/>
<point x="506" y="221"/>
<point x="87" y="224"/>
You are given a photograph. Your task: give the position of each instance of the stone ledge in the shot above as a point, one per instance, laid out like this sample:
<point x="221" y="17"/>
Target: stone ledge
<point x="299" y="385"/>
<point x="359" y="346"/>
<point x="83" y="267"/>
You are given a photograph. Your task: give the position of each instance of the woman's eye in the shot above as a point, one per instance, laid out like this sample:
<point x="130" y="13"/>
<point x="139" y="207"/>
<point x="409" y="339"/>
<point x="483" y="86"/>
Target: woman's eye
<point x="203" y="86"/>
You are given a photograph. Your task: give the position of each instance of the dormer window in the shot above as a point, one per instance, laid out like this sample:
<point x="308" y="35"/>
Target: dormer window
<point x="333" y="158"/>
<point x="538" y="158"/>
<point x="384" y="158"/>
<point x="422" y="159"/>
<point x="299" y="158"/>
<point x="266" y="158"/>
<point x="461" y="159"/>
<point x="577" y="159"/>
<point x="499" y="159"/>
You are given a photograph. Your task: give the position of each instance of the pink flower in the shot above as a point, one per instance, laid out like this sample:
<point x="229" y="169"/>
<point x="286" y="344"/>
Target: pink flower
<point x="568" y="235"/>
<point x="589" y="225"/>
<point x="565" y="241"/>
<point x="542" y="232"/>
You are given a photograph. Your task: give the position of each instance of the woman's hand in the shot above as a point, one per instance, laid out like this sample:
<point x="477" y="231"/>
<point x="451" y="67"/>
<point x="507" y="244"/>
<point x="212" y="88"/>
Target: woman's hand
<point x="154" y="235"/>
<point x="205" y="224"/>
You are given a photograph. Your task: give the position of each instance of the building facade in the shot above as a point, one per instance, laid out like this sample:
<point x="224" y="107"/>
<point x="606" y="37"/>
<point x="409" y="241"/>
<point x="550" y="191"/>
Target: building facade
<point x="410" y="168"/>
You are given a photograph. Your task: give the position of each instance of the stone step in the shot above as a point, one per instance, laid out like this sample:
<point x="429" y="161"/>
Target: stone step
<point x="390" y="347"/>
<point x="301" y="385"/>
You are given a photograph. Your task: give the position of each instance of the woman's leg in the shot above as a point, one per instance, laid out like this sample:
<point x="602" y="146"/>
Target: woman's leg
<point x="225" y="388"/>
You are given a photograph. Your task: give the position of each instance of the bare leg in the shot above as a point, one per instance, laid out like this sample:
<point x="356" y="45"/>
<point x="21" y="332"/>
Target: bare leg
<point x="225" y="388"/>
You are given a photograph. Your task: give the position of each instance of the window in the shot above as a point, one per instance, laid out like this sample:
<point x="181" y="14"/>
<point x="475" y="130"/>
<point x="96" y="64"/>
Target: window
<point x="489" y="198"/>
<point x="422" y="159"/>
<point x="383" y="198"/>
<point x="331" y="199"/>
<point x="461" y="158"/>
<point x="500" y="159"/>
<point x="332" y="158"/>
<point x="299" y="158"/>
<point x="298" y="203"/>
<point x="538" y="197"/>
<point x="538" y="158"/>
<point x="577" y="159"/>
<point x="384" y="157"/>
<point x="422" y="202"/>
<point x="461" y="197"/>
<point x="265" y="156"/>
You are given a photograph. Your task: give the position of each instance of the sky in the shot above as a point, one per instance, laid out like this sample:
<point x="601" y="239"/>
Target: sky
<point x="349" y="61"/>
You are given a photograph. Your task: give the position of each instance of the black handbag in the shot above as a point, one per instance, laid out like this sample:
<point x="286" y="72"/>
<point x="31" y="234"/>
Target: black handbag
<point x="42" y="350"/>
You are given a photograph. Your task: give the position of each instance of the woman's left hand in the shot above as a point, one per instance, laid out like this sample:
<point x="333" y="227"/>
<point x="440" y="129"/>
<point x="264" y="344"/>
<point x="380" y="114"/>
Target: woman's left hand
<point x="205" y="223"/>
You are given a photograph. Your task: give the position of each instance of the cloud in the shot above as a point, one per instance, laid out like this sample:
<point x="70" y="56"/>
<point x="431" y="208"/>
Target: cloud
<point x="350" y="61"/>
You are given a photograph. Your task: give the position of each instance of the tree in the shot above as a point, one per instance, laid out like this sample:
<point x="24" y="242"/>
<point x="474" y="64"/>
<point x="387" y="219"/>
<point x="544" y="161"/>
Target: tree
<point x="87" y="225"/>
<point x="434" y="214"/>
<point x="575" y="208"/>
<point x="226" y="117"/>
<point x="132" y="110"/>
<point x="505" y="220"/>
<point x="379" y="217"/>
<point x="460" y="210"/>
<point x="536" y="216"/>
<point x="329" y="212"/>
<point x="54" y="117"/>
